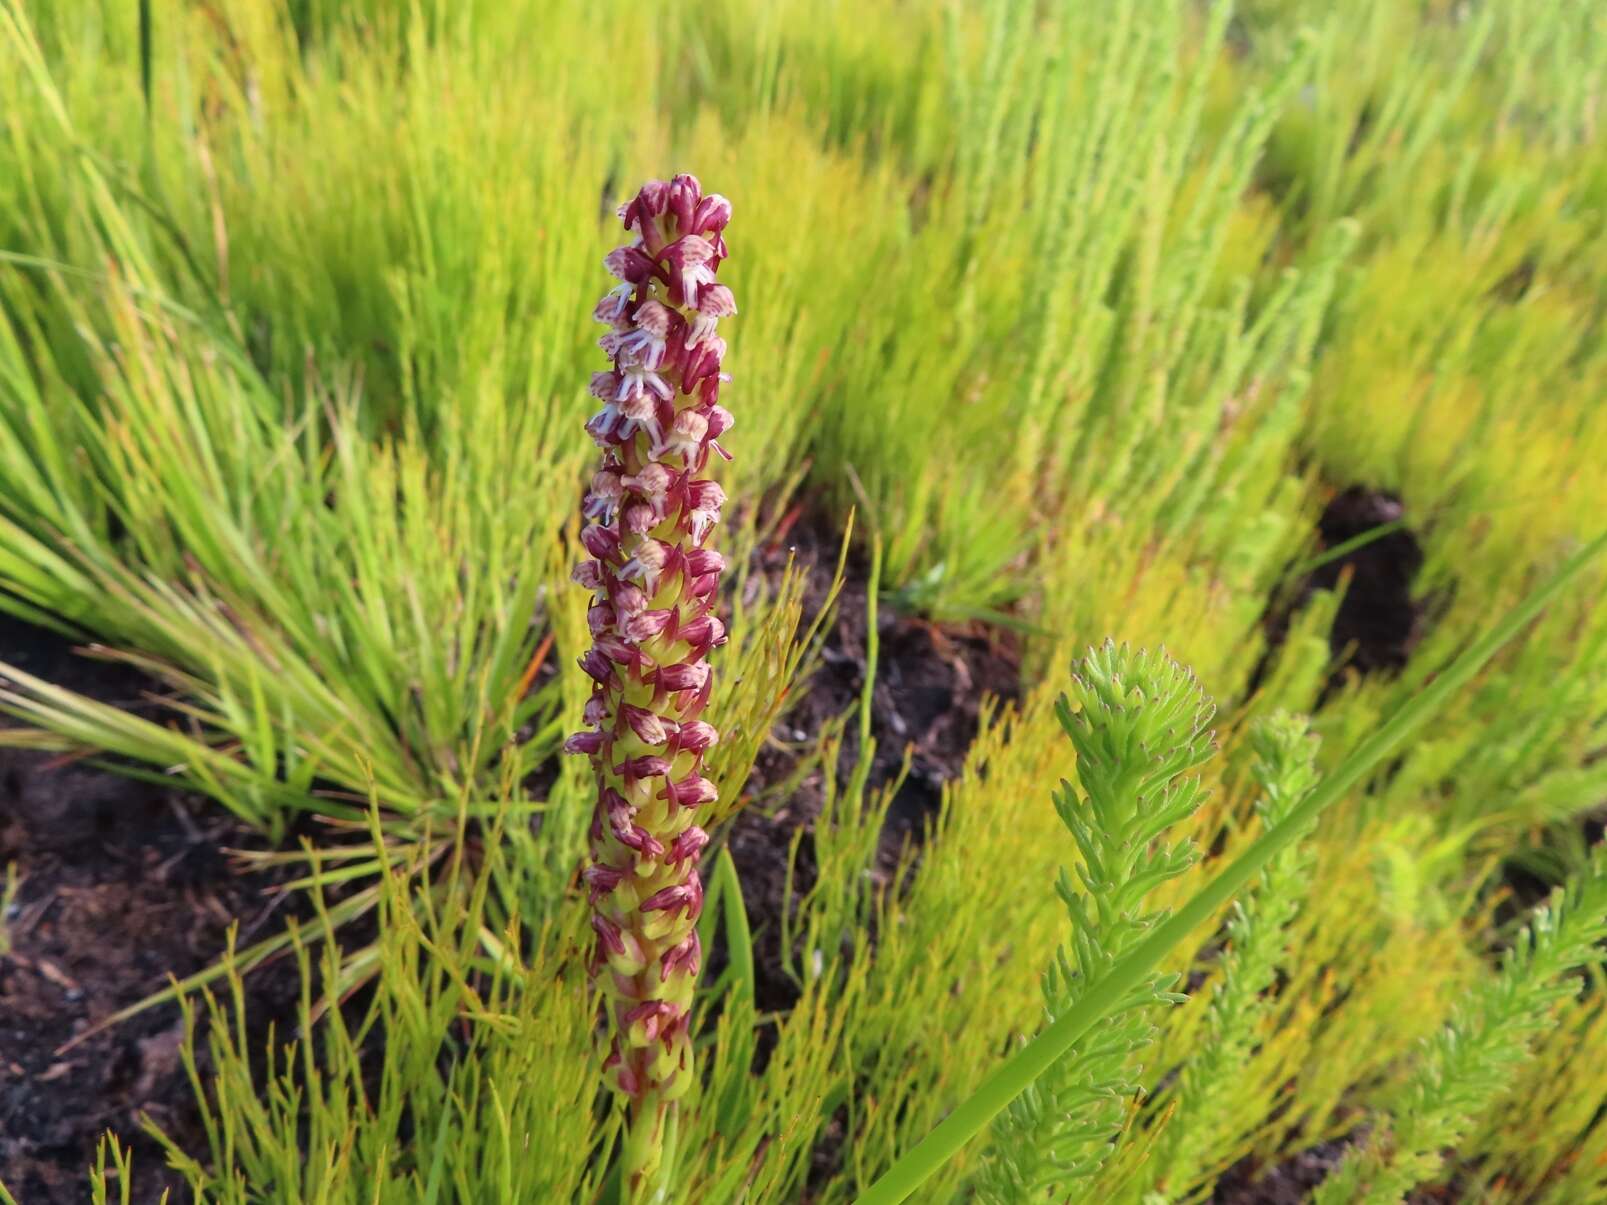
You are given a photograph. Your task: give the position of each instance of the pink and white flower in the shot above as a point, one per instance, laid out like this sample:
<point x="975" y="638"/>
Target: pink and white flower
<point x="649" y="510"/>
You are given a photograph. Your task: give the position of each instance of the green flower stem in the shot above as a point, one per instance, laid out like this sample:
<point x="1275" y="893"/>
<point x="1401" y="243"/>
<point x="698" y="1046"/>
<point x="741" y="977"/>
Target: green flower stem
<point x="648" y="1161"/>
<point x="1027" y="1064"/>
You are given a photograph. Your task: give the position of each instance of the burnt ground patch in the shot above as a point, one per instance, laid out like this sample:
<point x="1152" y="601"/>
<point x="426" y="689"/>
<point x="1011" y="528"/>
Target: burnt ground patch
<point x="122" y="883"/>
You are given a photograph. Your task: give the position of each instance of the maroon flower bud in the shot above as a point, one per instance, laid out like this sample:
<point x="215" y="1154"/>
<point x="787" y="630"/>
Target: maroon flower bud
<point x="602" y="542"/>
<point x="684" y="956"/>
<point x="688" y="845"/>
<point x="691" y="791"/>
<point x="634" y="836"/>
<point x="646" y="766"/>
<point x="608" y="933"/>
<point x="598" y="667"/>
<point x="600" y="880"/>
<point x="712" y="214"/>
<point x="684" y="898"/>
<point x="708" y="395"/>
<point x="647" y="205"/>
<point x="703" y="633"/>
<point x="647" y="726"/>
<point x="689" y="675"/>
<point x="648" y="1020"/>
<point x="701" y="362"/>
<point x="621" y="652"/>
<point x="623" y="1076"/>
<point x="696" y="736"/>
<point x="704" y="560"/>
<point x="584" y="742"/>
<point x="682" y="200"/>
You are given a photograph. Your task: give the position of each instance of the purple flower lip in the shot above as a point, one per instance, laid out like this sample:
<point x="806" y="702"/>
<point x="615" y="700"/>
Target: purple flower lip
<point x="647" y="624"/>
<point x="631" y="265"/>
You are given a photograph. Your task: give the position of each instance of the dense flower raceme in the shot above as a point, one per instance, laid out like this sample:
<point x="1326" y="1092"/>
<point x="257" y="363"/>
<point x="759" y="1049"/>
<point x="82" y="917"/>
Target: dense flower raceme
<point x="650" y="511"/>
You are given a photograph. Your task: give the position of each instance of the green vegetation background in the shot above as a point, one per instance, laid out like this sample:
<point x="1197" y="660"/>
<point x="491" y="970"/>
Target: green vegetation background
<point x="1083" y="308"/>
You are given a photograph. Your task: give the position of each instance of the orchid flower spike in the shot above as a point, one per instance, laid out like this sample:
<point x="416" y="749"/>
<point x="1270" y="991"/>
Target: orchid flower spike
<point x="651" y="511"/>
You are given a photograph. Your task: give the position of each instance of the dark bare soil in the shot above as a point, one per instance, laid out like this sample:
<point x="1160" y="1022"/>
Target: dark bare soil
<point x="1380" y="622"/>
<point x="931" y="681"/>
<point x="122" y="884"/>
<point x="1289" y="1182"/>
